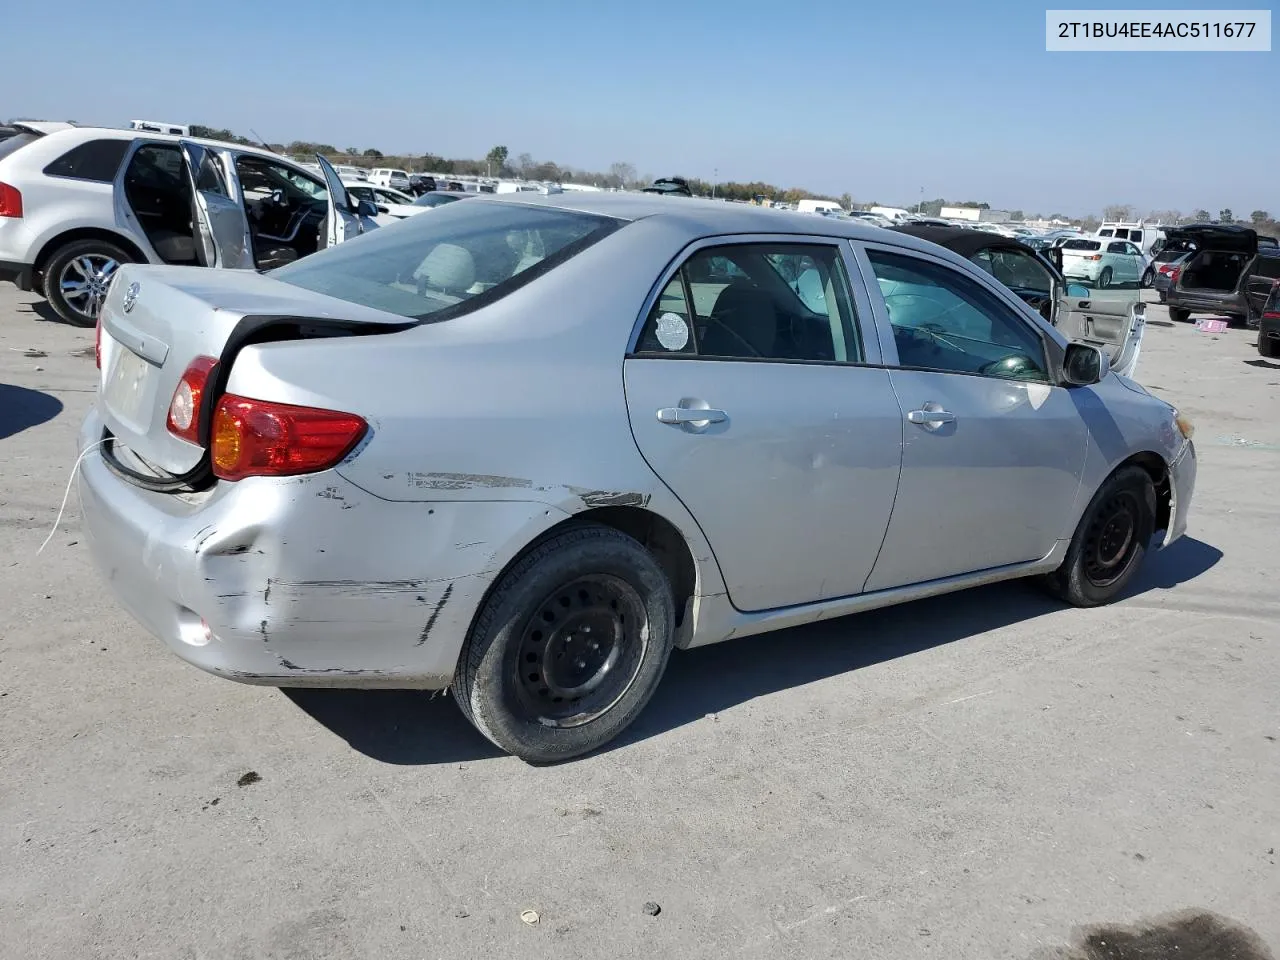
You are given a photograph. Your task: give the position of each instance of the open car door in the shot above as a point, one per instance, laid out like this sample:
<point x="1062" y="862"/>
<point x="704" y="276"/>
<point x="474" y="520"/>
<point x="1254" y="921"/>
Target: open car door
<point x="218" y="219"/>
<point x="342" y="223"/>
<point x="1114" y="320"/>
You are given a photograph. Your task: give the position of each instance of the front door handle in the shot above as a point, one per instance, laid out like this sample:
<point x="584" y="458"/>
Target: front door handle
<point x="680" y="415"/>
<point x="931" y="416"/>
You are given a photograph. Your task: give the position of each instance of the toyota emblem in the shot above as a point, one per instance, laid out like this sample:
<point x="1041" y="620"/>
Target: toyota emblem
<point x="130" y="296"/>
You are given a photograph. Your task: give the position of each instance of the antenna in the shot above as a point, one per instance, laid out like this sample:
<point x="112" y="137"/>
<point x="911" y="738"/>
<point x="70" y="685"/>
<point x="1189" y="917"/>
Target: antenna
<point x="262" y="143"/>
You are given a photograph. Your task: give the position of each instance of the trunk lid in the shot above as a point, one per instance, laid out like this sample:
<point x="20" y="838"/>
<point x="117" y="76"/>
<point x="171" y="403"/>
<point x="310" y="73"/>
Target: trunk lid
<point x="1226" y="238"/>
<point x="156" y="320"/>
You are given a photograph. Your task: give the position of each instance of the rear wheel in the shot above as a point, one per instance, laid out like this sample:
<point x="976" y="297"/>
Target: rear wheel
<point x="77" y="276"/>
<point x="1104" y="278"/>
<point x="569" y="646"/>
<point x="1178" y="315"/>
<point x="1266" y="346"/>
<point x="1148" y="277"/>
<point x="1110" y="543"/>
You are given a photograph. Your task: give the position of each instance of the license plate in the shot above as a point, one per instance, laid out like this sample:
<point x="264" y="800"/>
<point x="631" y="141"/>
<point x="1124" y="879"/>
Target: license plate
<point x="126" y="386"/>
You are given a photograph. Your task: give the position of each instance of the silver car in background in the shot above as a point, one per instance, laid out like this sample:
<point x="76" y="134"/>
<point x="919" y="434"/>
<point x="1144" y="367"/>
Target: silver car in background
<point x="526" y="446"/>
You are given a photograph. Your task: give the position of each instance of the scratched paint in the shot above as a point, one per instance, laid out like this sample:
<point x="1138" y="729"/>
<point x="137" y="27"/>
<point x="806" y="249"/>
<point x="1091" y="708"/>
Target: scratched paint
<point x="466" y="481"/>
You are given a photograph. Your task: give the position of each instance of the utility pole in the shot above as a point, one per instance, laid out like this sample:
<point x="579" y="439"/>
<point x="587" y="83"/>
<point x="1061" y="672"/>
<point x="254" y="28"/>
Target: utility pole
<point x="715" y="175"/>
<point x="920" y="205"/>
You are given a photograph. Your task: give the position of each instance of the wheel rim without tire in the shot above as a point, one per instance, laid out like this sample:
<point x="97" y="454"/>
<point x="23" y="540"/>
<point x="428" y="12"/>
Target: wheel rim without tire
<point x="1112" y="539"/>
<point x="84" y="281"/>
<point x="580" y="651"/>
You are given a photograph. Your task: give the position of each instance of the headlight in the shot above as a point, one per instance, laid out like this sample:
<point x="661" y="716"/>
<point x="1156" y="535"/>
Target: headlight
<point x="1184" y="425"/>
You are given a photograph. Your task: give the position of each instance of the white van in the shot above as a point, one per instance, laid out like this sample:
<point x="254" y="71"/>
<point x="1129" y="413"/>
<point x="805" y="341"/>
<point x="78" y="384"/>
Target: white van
<point x="1145" y="235"/>
<point x="819" y="206"/>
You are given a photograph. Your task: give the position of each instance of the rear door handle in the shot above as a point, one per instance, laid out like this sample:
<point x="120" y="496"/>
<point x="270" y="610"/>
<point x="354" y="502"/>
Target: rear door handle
<point x="680" y="415"/>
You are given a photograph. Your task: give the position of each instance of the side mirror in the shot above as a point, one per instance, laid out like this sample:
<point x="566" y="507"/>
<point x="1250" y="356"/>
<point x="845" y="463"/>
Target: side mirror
<point x="365" y="208"/>
<point x="1078" y="291"/>
<point x="1083" y="365"/>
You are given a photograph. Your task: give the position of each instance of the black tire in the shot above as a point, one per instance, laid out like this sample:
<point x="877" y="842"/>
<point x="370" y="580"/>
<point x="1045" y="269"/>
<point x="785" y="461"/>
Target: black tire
<point x="542" y="610"/>
<point x="1163" y="297"/>
<point x="1110" y="543"/>
<point x="71" y="264"/>
<point x="1148" y="277"/>
<point x="1104" y="278"/>
<point x="1178" y="315"/>
<point x="1266" y="346"/>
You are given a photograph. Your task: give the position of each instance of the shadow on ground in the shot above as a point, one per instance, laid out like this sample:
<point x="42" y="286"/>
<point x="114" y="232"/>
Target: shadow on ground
<point x="44" y="312"/>
<point x="1265" y="364"/>
<point x="21" y="409"/>
<point x="415" y="727"/>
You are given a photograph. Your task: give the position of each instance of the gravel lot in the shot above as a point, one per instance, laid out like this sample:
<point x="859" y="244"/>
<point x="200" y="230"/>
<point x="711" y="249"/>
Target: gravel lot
<point x="977" y="776"/>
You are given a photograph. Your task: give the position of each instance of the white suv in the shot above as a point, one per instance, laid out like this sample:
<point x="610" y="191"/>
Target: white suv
<point x="76" y="202"/>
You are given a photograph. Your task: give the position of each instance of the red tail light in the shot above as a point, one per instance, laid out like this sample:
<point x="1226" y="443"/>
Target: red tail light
<point x="10" y="201"/>
<point x="184" y="409"/>
<point x="1271" y="315"/>
<point x="257" y="438"/>
<point x="1175" y="273"/>
<point x="1094" y="256"/>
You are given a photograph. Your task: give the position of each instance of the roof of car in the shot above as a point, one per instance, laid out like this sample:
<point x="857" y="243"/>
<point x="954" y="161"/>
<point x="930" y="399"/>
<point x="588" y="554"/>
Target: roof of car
<point x="959" y="240"/>
<point x="117" y="133"/>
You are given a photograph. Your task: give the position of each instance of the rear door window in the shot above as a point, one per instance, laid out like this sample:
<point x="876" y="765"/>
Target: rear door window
<point x="756" y="301"/>
<point x="96" y="160"/>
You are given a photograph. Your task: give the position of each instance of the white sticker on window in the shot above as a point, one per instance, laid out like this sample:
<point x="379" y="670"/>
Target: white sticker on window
<point x="673" y="332"/>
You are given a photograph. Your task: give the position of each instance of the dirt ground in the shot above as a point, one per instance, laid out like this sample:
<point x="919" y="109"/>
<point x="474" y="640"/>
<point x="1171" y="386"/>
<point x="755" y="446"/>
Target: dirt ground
<point x="984" y="775"/>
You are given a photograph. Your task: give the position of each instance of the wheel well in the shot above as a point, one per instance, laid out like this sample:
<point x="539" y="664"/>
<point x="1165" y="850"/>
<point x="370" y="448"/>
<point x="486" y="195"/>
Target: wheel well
<point x="87" y="233"/>
<point x="1154" y="464"/>
<point x="659" y="536"/>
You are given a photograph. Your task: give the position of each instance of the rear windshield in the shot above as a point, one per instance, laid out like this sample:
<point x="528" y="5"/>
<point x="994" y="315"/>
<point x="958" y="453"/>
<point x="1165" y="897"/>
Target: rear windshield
<point x="461" y="257"/>
<point x="16" y="142"/>
<point x="1082" y="245"/>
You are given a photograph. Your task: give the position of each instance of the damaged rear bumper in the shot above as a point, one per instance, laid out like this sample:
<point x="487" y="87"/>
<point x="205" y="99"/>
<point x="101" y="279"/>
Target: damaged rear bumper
<point x="299" y="581"/>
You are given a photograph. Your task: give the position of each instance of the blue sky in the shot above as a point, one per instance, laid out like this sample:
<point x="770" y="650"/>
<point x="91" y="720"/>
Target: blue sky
<point x="877" y="99"/>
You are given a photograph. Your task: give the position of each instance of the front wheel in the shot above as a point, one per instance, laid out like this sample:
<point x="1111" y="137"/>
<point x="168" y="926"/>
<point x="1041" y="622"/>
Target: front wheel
<point x="77" y="277"/>
<point x="1104" y="278"/>
<point x="569" y="646"/>
<point x="1110" y="543"/>
<point x="1148" y="277"/>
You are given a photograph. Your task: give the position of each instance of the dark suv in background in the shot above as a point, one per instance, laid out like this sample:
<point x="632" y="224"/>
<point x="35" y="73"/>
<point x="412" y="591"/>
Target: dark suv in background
<point x="1231" y="274"/>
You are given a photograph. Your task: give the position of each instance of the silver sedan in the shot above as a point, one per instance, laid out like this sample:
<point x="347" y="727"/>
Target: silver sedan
<point x="524" y="447"/>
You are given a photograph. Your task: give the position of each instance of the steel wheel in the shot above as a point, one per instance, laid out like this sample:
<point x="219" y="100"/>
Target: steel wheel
<point x="1112" y="539"/>
<point x="580" y="651"/>
<point x="84" y="280"/>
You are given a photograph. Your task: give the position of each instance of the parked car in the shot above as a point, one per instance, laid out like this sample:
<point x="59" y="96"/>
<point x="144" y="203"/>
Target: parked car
<point x="1168" y="251"/>
<point x="392" y="205"/>
<point x="1269" y="324"/>
<point x="77" y="202"/>
<point x="1115" y="321"/>
<point x="1167" y="272"/>
<point x="866" y="216"/>
<point x="1102" y="262"/>
<point x="292" y="479"/>
<point x="348" y="172"/>
<point x="438" y="198"/>
<point x="420" y="183"/>
<point x="1230" y="274"/>
<point x="390" y="177"/>
<point x="670" y="186"/>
